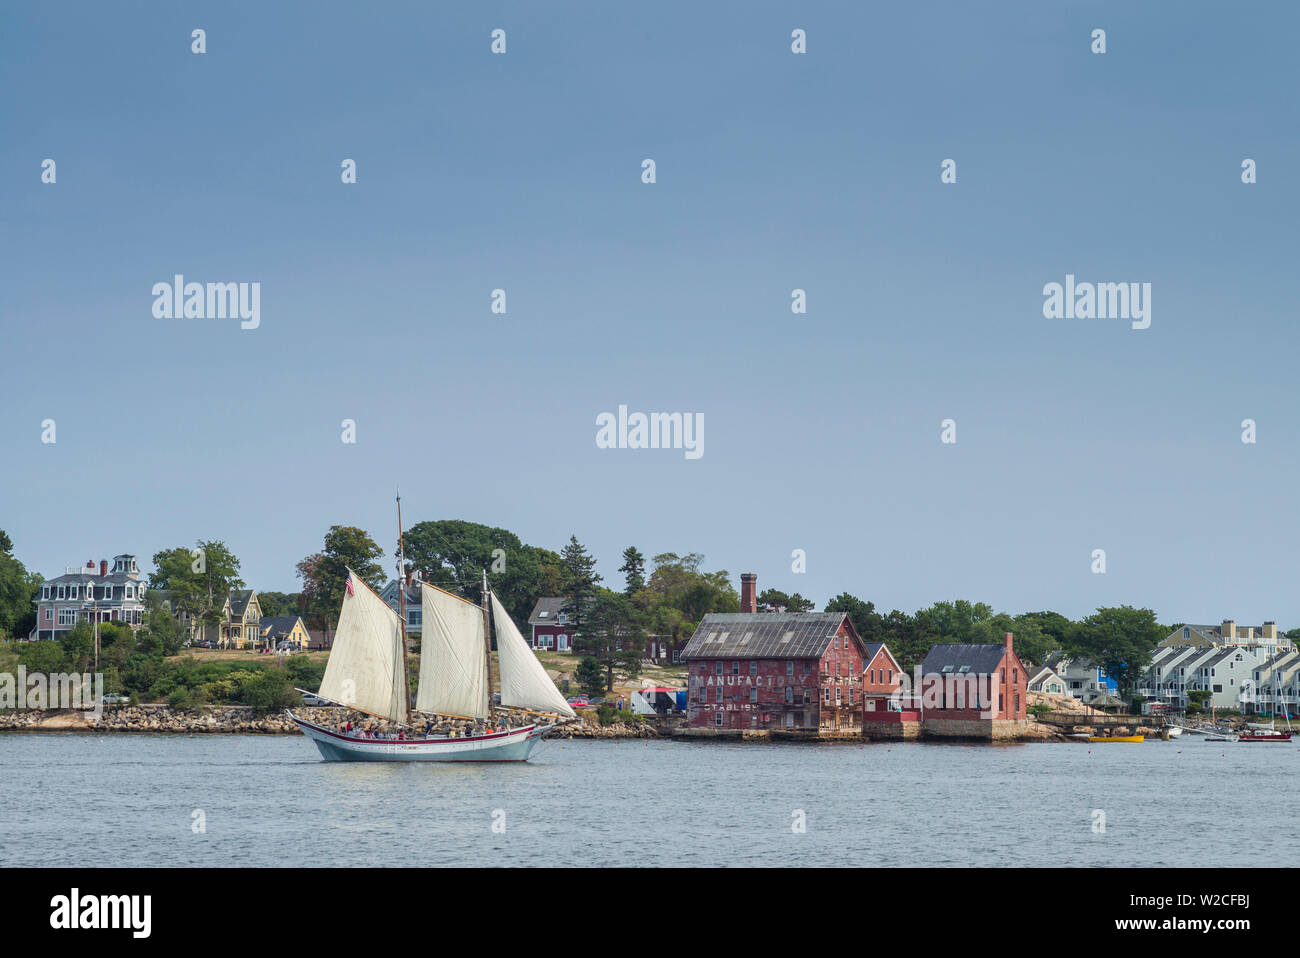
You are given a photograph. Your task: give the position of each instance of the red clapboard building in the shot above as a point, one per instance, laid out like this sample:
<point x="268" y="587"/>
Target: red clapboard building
<point x="775" y="670"/>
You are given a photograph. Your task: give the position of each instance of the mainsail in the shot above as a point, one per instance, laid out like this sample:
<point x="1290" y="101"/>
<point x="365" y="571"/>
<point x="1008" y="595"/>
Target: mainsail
<point x="453" y="660"/>
<point x="365" y="668"/>
<point x="524" y="683"/>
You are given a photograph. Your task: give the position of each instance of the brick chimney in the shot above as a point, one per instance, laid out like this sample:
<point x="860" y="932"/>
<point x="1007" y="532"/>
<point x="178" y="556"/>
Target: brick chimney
<point x="1009" y="648"/>
<point x="103" y="567"/>
<point x="749" y="592"/>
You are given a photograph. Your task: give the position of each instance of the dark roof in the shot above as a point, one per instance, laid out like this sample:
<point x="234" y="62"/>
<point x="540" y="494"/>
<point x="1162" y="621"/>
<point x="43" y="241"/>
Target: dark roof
<point x="980" y="659"/>
<point x="547" y="610"/>
<point x="239" y="601"/>
<point x="764" y="635"/>
<point x="278" y="625"/>
<point x="117" y="578"/>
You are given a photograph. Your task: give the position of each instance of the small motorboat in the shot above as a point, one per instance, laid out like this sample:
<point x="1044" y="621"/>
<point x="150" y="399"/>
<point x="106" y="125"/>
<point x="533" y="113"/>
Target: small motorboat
<point x="1264" y="735"/>
<point x="1117" y="738"/>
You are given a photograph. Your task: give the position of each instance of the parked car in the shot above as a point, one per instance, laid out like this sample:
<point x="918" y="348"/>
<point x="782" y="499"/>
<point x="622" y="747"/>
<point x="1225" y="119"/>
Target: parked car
<point x="309" y="699"/>
<point x="116" y="699"/>
<point x="579" y="701"/>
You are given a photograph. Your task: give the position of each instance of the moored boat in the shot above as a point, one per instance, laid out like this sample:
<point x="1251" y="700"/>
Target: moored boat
<point x="1264" y="735"/>
<point x="1116" y="738"/>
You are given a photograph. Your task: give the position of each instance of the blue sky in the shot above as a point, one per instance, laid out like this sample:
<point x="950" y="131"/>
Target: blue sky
<point x="775" y="171"/>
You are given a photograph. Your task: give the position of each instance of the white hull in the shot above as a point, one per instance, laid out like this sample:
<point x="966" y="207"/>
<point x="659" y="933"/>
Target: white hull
<point x="514" y="745"/>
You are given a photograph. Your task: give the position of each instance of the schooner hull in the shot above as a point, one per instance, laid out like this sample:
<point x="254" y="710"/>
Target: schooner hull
<point x="514" y="745"/>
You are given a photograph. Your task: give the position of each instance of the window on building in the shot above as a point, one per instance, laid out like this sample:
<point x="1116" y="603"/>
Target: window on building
<point x="717" y="719"/>
<point x="718" y="667"/>
<point x="753" y="696"/>
<point x="789" y="668"/>
<point x="735" y="667"/>
<point x="67" y="616"/>
<point x="45" y="592"/>
<point x="718" y="693"/>
<point x="753" y="668"/>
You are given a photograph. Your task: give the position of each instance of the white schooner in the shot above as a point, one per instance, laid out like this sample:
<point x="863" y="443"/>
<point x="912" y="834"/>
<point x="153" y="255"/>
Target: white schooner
<point x="367" y="671"/>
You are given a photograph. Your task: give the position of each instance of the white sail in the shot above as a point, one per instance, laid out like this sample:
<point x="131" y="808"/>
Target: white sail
<point x="365" y="668"/>
<point x="453" y="660"/>
<point x="524" y="683"/>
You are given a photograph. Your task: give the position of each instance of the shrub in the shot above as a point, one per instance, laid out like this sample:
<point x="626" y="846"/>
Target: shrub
<point x="179" y="699"/>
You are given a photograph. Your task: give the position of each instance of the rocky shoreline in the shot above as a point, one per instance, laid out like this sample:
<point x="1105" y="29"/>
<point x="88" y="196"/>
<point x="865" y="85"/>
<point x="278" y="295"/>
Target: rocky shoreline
<point x="243" y="720"/>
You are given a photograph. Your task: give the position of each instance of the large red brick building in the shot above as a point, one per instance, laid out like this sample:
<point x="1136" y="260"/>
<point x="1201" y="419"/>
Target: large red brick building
<point x="777" y="670"/>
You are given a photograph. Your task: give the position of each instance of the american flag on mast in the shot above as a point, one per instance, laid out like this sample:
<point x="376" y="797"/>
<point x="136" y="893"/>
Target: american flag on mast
<point x="350" y="592"/>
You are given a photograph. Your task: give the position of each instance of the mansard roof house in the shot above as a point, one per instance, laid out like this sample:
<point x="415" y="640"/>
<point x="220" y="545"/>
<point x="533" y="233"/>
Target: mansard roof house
<point x="88" y="594"/>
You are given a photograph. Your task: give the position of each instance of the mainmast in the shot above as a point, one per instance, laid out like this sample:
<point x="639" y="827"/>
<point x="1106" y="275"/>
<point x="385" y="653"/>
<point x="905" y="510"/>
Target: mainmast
<point x="401" y="591"/>
<point x="487" y="643"/>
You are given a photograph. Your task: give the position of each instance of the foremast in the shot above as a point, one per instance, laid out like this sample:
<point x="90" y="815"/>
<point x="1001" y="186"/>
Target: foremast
<point x="401" y="591"/>
<point x="487" y="644"/>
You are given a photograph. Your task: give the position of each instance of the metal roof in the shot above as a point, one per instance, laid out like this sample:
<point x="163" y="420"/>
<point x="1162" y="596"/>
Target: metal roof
<point x="982" y="659"/>
<point x="764" y="635"/>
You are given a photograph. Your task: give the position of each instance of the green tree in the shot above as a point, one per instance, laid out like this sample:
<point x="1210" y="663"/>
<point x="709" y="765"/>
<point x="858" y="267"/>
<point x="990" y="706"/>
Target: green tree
<point x="452" y="554"/>
<point x="865" y="619"/>
<point x="267" y="690"/>
<point x="580" y="581"/>
<point x="324" y="575"/>
<point x="18" y="591"/>
<point x="43" y="656"/>
<point x="162" y="632"/>
<point x="1120" y="640"/>
<point x="590" y="676"/>
<point x="198" y="579"/>
<point x="774" y="600"/>
<point x="633" y="569"/>
<point x="278" y="603"/>
<point x="613" y="635"/>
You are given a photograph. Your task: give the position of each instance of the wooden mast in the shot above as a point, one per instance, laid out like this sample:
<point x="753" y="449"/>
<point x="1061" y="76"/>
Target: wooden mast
<point x="487" y="644"/>
<point x="401" y="591"/>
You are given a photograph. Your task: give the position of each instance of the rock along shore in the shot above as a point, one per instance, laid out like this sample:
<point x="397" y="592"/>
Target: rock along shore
<point x="244" y="720"/>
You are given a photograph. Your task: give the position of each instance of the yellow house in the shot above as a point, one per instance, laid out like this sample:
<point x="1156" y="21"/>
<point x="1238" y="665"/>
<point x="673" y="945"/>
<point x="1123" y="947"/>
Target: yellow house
<point x="240" y="625"/>
<point x="284" y="629"/>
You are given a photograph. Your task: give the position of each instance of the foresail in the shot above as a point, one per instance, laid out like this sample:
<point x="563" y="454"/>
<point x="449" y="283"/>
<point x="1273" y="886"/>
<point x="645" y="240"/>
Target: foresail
<point x="524" y="683"/>
<point x="364" y="667"/>
<point x="453" y="660"/>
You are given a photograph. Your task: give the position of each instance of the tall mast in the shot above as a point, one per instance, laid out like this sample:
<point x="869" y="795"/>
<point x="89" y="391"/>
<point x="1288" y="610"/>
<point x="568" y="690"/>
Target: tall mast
<point x="401" y="591"/>
<point x="487" y="643"/>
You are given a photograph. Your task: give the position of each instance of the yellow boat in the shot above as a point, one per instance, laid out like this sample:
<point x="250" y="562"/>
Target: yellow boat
<point x="1117" y="738"/>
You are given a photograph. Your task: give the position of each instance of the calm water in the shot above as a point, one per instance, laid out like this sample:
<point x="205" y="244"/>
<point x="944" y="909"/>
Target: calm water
<point x="129" y="800"/>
